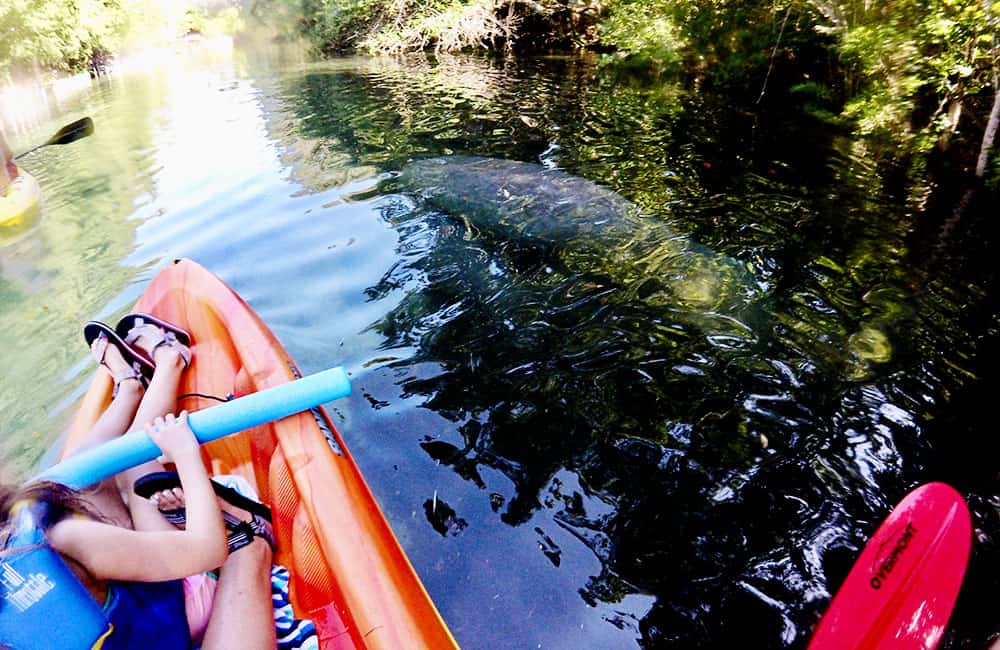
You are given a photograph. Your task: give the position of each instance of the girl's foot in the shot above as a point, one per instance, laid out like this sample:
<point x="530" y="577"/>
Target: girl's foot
<point x="242" y="526"/>
<point x="160" y="346"/>
<point x="170" y="503"/>
<point x="100" y="339"/>
<point x="154" y="336"/>
<point x="124" y="374"/>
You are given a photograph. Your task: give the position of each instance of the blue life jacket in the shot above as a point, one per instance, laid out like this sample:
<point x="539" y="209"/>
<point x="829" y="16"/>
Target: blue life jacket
<point x="45" y="605"/>
<point x="147" y="615"/>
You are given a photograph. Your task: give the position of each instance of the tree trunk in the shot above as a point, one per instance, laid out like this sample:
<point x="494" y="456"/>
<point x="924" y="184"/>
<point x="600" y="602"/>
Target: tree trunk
<point x="991" y="132"/>
<point x="991" y="127"/>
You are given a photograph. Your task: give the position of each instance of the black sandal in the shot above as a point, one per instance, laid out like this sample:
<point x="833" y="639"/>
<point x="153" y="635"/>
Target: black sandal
<point x="148" y="485"/>
<point x="103" y="336"/>
<point x="157" y="337"/>
<point x="131" y="321"/>
<point x="244" y="532"/>
<point x="239" y="533"/>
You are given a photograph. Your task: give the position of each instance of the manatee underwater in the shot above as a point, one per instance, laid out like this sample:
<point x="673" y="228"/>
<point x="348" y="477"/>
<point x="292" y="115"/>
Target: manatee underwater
<point x="591" y="228"/>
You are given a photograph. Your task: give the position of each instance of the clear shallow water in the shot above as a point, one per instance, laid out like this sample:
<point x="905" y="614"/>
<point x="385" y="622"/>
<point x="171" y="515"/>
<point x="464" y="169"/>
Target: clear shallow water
<point x="567" y="462"/>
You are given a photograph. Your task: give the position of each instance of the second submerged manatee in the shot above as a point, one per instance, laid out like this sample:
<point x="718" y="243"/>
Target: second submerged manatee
<point x="590" y="228"/>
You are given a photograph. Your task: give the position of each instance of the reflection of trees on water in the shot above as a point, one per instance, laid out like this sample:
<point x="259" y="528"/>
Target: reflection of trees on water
<point x="733" y="481"/>
<point x="544" y="371"/>
<point x="61" y="273"/>
<point x="722" y="176"/>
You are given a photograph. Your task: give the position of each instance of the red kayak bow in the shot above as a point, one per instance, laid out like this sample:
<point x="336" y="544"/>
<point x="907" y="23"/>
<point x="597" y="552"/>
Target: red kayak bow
<point x="901" y="590"/>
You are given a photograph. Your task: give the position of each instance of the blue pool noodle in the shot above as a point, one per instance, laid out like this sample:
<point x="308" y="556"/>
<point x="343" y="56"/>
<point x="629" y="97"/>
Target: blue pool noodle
<point x="134" y="448"/>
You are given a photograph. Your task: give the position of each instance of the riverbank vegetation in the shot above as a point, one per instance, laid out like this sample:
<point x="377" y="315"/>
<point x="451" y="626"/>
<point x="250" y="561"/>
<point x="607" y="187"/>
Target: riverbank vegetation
<point x="918" y="76"/>
<point x="46" y="36"/>
<point x="917" y="79"/>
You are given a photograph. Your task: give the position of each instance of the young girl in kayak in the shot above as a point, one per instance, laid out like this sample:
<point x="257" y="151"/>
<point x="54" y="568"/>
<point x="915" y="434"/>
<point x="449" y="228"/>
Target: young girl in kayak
<point x="120" y="546"/>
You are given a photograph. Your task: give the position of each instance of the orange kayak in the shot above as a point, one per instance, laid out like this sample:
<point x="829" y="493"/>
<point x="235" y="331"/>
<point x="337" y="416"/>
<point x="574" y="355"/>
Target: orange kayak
<point x="349" y="573"/>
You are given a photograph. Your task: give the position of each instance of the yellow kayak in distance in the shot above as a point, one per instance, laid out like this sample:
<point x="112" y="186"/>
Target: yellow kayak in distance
<point x="20" y="207"/>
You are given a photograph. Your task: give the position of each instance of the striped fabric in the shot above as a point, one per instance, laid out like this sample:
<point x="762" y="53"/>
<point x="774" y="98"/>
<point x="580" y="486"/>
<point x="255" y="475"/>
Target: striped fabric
<point x="293" y="633"/>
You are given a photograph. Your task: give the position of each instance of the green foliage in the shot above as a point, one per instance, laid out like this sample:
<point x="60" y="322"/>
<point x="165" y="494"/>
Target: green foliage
<point x="914" y="74"/>
<point x="199" y="21"/>
<point x="727" y="43"/>
<point x="908" y="73"/>
<point x="911" y="68"/>
<point x="228" y="21"/>
<point x="817" y="99"/>
<point x="392" y="26"/>
<point x="811" y="90"/>
<point x="67" y="34"/>
<point x="646" y="31"/>
<point x="150" y="23"/>
<point x="448" y="26"/>
<point x="193" y="21"/>
<point x="336" y="25"/>
<point x="61" y="34"/>
<point x="887" y="62"/>
<point x="993" y="175"/>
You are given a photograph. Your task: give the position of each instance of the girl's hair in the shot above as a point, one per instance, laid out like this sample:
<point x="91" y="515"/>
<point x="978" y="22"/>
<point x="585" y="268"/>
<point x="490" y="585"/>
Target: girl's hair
<point x="59" y="501"/>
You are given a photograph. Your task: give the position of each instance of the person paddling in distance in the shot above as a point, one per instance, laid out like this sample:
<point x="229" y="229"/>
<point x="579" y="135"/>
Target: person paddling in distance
<point x="8" y="169"/>
<point x="143" y="569"/>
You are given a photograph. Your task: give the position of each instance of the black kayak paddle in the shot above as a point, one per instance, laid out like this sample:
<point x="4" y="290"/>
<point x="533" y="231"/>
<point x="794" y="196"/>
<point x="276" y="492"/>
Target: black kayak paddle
<point x="69" y="133"/>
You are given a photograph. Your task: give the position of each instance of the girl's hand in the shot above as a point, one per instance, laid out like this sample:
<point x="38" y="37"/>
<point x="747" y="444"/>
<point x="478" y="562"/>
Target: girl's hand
<point x="174" y="438"/>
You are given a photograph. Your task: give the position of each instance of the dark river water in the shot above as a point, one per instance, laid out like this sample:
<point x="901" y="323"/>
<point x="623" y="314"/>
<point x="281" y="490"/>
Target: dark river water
<point x="569" y="458"/>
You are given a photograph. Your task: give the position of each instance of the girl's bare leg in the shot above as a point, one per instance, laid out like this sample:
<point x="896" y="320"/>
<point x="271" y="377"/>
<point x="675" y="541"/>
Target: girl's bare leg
<point x="160" y="399"/>
<point x="242" y="615"/>
<point x="104" y="497"/>
<point x="242" y="611"/>
<point x="132" y="409"/>
<point x="117" y="418"/>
